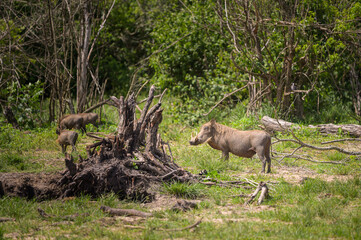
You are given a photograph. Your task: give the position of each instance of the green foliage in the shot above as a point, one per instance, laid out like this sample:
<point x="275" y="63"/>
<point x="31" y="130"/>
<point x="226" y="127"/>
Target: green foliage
<point x="197" y="67"/>
<point x="124" y="35"/>
<point x="25" y="102"/>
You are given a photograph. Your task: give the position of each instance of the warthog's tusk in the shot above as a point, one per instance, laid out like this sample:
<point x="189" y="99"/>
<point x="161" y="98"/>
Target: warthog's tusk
<point x="209" y="139"/>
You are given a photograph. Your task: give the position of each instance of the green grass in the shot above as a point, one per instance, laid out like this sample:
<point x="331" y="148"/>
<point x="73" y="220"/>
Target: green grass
<point x="325" y="206"/>
<point x="184" y="190"/>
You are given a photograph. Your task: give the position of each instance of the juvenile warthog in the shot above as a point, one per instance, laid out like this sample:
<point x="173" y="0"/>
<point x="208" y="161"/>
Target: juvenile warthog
<point x="90" y="118"/>
<point x="71" y="121"/>
<point x="240" y="143"/>
<point x="87" y="118"/>
<point x="66" y="138"/>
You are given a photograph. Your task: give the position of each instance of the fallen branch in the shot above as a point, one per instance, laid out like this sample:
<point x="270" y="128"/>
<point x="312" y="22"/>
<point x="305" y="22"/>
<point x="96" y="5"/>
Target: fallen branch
<point x="264" y="193"/>
<point x="240" y="195"/>
<point x="5" y="219"/>
<point x="67" y="217"/>
<point x="303" y="144"/>
<point x="272" y="124"/>
<point x="164" y="229"/>
<point x="342" y="140"/>
<point x="298" y="157"/>
<point x="44" y="214"/>
<point x="215" y="182"/>
<point x="124" y="212"/>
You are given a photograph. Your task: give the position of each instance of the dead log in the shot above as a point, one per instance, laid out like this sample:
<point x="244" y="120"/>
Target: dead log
<point x="353" y="130"/>
<point x="277" y="125"/>
<point x="124" y="212"/>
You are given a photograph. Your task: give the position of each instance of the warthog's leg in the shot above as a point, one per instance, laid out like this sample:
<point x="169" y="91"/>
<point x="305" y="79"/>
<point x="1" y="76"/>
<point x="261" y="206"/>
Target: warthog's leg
<point x="73" y="148"/>
<point x="63" y="148"/>
<point x="261" y="154"/>
<point x="268" y="159"/>
<point x="225" y="155"/>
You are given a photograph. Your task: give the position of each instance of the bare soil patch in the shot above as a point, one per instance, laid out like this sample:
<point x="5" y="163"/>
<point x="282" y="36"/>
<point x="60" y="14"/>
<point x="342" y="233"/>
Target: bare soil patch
<point x="296" y="175"/>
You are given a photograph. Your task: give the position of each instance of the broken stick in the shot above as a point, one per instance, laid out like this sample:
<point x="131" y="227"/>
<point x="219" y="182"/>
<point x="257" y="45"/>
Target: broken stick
<point x="5" y="219"/>
<point x="124" y="212"/>
<point x="264" y="193"/>
<point x="164" y="229"/>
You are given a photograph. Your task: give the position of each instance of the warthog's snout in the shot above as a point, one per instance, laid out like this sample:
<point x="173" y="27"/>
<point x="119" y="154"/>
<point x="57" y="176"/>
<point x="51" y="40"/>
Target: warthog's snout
<point x="193" y="141"/>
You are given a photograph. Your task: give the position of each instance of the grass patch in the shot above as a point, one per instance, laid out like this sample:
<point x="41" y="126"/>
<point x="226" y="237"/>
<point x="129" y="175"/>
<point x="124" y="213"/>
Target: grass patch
<point x="14" y="162"/>
<point x="185" y="190"/>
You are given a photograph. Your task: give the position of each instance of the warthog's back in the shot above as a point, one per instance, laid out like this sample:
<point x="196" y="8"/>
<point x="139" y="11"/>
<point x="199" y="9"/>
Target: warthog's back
<point x="240" y="143"/>
<point x="89" y="117"/>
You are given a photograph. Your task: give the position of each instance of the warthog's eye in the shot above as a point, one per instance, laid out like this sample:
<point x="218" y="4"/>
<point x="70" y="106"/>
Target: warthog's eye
<point x="206" y="128"/>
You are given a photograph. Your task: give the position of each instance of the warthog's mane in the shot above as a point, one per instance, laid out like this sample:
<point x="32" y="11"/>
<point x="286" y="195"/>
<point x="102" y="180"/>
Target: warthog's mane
<point x="222" y="129"/>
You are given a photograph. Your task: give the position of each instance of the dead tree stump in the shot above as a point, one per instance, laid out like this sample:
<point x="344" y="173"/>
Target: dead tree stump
<point x="129" y="163"/>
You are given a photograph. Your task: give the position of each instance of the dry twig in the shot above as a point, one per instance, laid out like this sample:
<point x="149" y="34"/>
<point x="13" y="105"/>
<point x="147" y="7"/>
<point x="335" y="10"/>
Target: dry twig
<point x="124" y="212"/>
<point x="170" y="230"/>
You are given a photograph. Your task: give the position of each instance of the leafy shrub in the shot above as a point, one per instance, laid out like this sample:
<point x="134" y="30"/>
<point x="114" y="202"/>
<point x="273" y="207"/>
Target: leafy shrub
<point x="25" y="102"/>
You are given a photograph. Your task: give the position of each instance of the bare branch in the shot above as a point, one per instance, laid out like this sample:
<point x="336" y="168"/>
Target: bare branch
<point x="100" y="28"/>
<point x="342" y="140"/>
<point x="226" y="96"/>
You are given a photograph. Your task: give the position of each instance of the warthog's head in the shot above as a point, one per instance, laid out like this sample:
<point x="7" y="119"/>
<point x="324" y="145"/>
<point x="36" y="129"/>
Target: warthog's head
<point x="206" y="134"/>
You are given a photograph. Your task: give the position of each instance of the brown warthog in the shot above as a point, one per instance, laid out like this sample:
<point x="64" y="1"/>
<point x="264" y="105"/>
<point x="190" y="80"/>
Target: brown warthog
<point x="90" y="118"/>
<point x="71" y="121"/>
<point x="87" y="118"/>
<point x="240" y="143"/>
<point x="66" y="138"/>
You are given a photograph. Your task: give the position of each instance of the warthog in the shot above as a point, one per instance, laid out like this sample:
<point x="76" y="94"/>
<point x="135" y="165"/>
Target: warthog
<point x="66" y="138"/>
<point x="87" y="118"/>
<point x="90" y="118"/>
<point x="71" y="121"/>
<point x="240" y="143"/>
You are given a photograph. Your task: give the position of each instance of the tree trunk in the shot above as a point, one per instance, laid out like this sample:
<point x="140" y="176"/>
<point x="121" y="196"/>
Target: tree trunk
<point x="356" y="87"/>
<point x="10" y="117"/>
<point x="83" y="49"/>
<point x="274" y="125"/>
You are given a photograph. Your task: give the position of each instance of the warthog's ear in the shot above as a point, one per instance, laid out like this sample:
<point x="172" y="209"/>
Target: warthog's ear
<point x="213" y="121"/>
